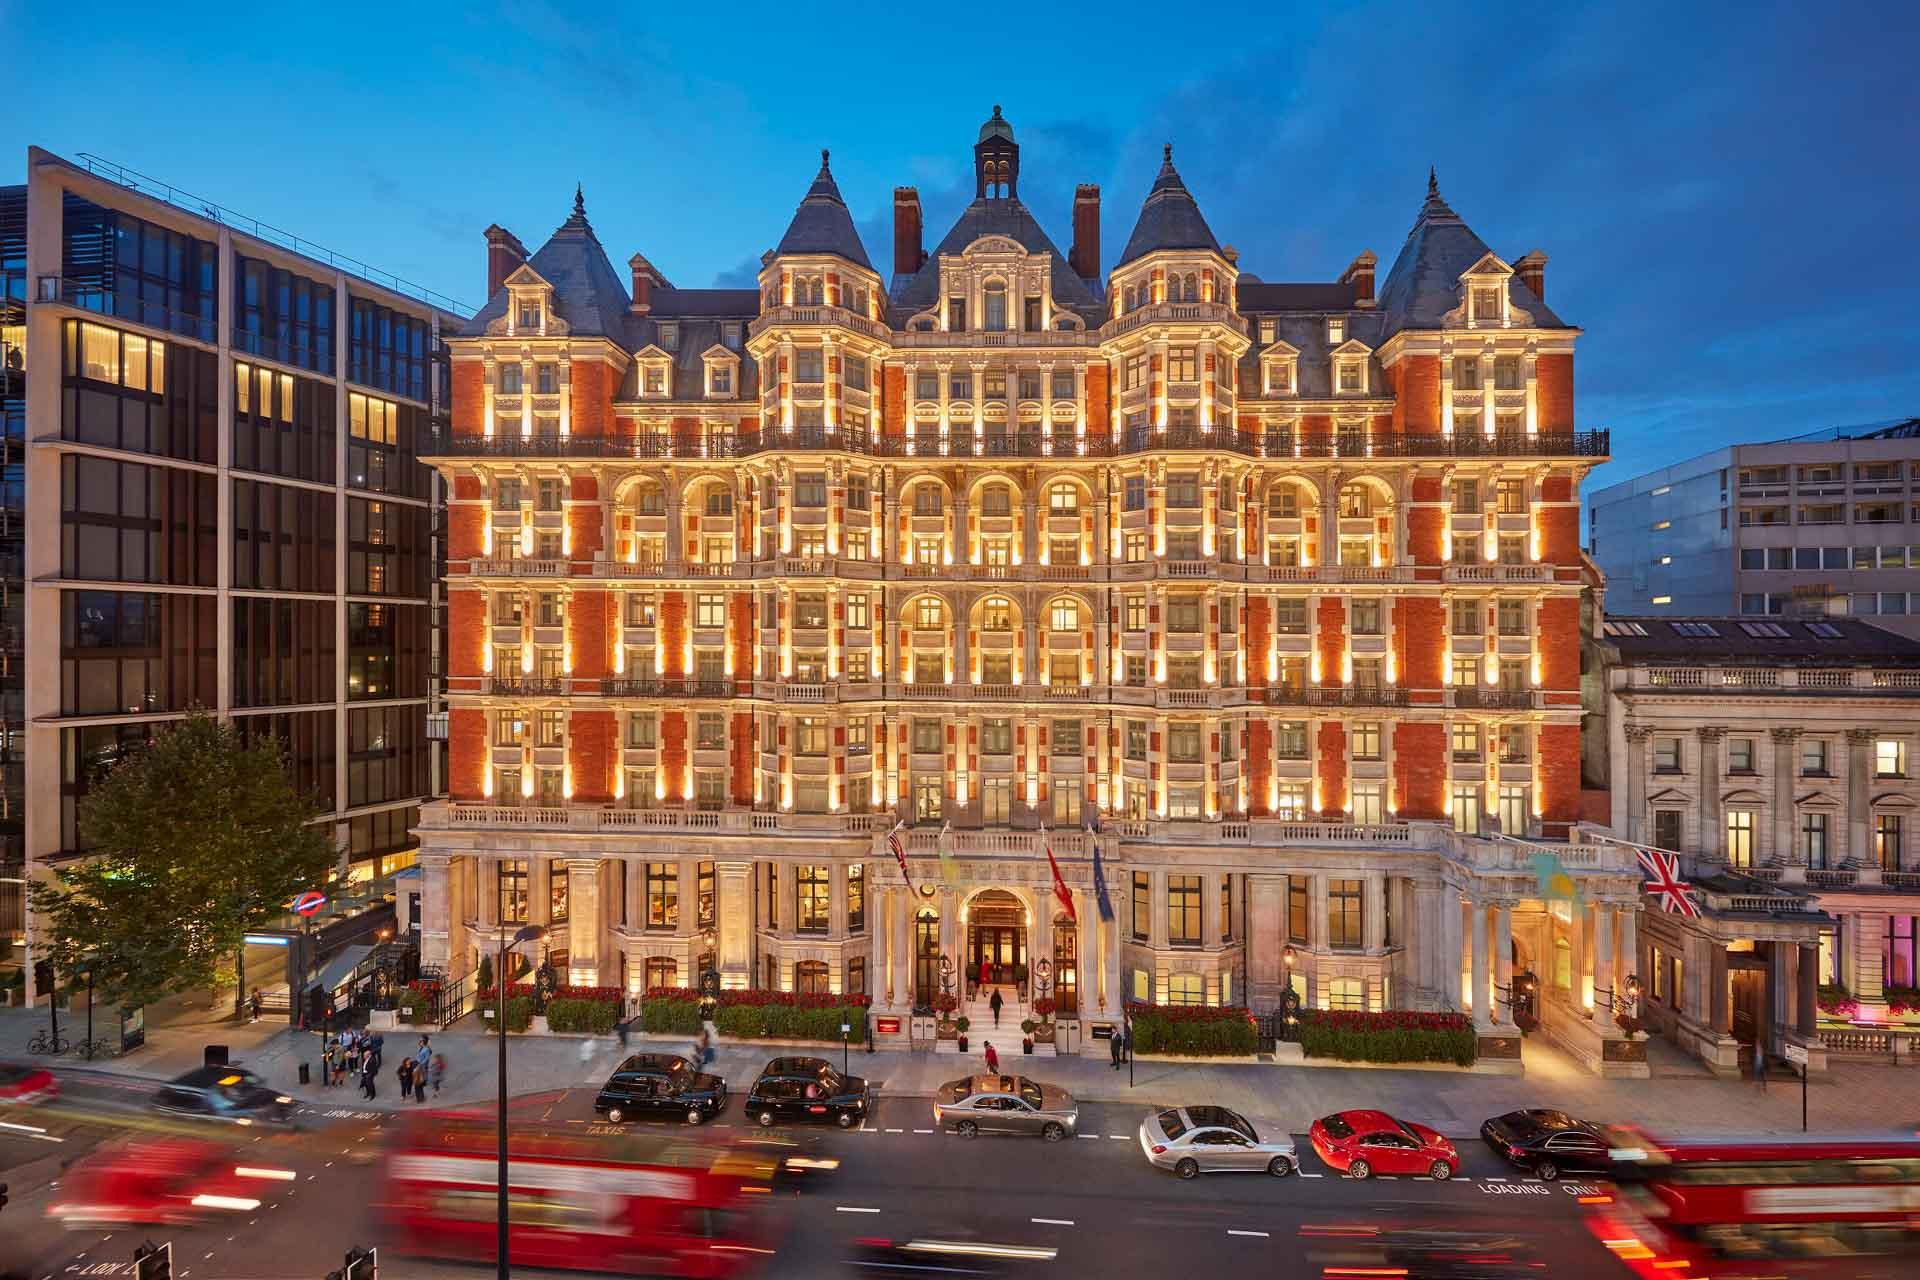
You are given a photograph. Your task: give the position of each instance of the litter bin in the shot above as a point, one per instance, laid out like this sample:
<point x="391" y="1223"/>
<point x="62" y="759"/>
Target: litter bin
<point x="216" y="1055"/>
<point x="306" y="1073"/>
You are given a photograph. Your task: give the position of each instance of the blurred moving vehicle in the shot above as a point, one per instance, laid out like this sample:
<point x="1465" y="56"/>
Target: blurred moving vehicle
<point x="1549" y="1143"/>
<point x="1422" y="1253"/>
<point x="788" y="1164"/>
<point x="949" y="1254"/>
<point x="808" y="1089"/>
<point x="1005" y="1104"/>
<point x="23" y="1084"/>
<point x="1196" y="1140"/>
<point x="659" y="1085"/>
<point x="232" y="1095"/>
<point x="646" y="1204"/>
<point x="1769" y="1205"/>
<point x="1363" y="1143"/>
<point x="169" y="1182"/>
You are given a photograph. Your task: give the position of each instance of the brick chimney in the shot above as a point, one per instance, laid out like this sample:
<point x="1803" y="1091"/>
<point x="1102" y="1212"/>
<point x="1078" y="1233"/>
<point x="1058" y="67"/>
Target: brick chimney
<point x="645" y="281"/>
<point x="1084" y="257"/>
<point x="504" y="253"/>
<point x="1532" y="271"/>
<point x="908" y="256"/>
<point x="1360" y="274"/>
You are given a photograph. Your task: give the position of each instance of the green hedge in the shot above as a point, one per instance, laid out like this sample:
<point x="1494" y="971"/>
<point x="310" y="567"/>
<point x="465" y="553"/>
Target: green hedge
<point x="753" y="1021"/>
<point x="1190" y="1031"/>
<point x="595" y="1017"/>
<point x="519" y="1014"/>
<point x="1388" y="1037"/>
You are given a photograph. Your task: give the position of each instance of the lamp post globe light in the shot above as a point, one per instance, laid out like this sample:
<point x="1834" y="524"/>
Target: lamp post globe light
<point x="527" y="933"/>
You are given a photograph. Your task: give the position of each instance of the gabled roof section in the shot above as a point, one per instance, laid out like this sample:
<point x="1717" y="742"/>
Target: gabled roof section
<point x="587" y="292"/>
<point x="1170" y="219"/>
<point x="1424" y="284"/>
<point x="1009" y="218"/>
<point x="822" y="224"/>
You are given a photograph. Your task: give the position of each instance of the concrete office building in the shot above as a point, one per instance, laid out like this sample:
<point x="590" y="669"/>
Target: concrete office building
<point x="1827" y="524"/>
<point x="223" y="502"/>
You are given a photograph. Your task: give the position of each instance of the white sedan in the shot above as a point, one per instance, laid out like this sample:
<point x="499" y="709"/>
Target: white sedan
<point x="1196" y="1140"/>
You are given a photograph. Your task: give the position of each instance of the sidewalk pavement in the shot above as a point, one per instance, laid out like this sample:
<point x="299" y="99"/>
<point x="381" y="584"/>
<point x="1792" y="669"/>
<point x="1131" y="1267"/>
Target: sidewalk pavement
<point x="1856" y="1096"/>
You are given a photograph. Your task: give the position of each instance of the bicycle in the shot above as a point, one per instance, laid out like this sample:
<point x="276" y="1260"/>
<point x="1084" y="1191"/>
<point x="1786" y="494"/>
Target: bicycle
<point x="42" y="1042"/>
<point x="91" y="1049"/>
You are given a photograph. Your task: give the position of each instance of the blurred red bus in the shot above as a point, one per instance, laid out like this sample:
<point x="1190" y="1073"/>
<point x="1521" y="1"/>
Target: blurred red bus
<point x="646" y="1207"/>
<point x="1801" y="1205"/>
<point x="168" y="1182"/>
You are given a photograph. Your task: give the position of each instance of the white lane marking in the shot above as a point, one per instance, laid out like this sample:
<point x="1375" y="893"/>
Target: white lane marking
<point x="1496" y="1179"/>
<point x="1052" y="1222"/>
<point x="1313" y="1175"/>
<point x="1461" y="1177"/>
<point x="923" y="1131"/>
<point x="1089" y="1137"/>
<point x="1119" y="1137"/>
<point x="896" y="1131"/>
<point x="1260" y="1234"/>
<point x="1387" y="1177"/>
<point x="848" y="1208"/>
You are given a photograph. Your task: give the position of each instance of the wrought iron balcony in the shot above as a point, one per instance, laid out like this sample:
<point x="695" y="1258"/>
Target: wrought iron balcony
<point x="1357" y="695"/>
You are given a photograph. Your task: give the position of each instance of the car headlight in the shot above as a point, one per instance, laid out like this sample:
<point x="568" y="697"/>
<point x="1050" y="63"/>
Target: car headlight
<point x="284" y="1101"/>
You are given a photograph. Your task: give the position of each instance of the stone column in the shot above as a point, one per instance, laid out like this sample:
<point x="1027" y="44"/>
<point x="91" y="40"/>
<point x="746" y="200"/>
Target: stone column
<point x="1786" y="851"/>
<point x="584" y="921"/>
<point x="904" y="908"/>
<point x="1373" y="913"/>
<point x="1112" y="995"/>
<point x="734" y="917"/>
<point x="1266" y="930"/>
<point x="636" y="891"/>
<point x="1577" y="952"/>
<point x="1452" y="944"/>
<point x="436" y="913"/>
<point x="1713" y="835"/>
<point x="489" y="913"/>
<point x="1601" y="930"/>
<point x="1807" y="993"/>
<point x="689" y="891"/>
<point x="1502" y="957"/>
<point x="1087" y="955"/>
<point x="1636" y="780"/>
<point x="1626" y="959"/>
<point x="1859" y="806"/>
<point x="1482" y="1001"/>
<point x="1716" y="1002"/>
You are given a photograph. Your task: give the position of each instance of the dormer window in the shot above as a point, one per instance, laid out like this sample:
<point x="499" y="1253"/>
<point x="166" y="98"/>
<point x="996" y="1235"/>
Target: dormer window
<point x="720" y="380"/>
<point x="730" y="336"/>
<point x="1267" y="331"/>
<point x="654" y="380"/>
<point x="1487" y="307"/>
<point x="956" y="315"/>
<point x="994" y="308"/>
<point x="669" y="335"/>
<point x="1353" y="377"/>
<point x="1277" y="367"/>
<point x="1336" y="330"/>
<point x="529" y="315"/>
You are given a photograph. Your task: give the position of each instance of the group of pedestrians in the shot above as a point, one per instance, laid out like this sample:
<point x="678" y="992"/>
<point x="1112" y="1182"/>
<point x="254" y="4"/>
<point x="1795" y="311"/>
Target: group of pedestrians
<point x="358" y="1055"/>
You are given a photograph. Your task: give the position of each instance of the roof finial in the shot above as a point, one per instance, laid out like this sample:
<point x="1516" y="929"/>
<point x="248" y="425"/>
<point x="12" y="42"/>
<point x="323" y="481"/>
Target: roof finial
<point x="1433" y="182"/>
<point x="579" y="201"/>
<point x="996" y="111"/>
<point x="823" y="157"/>
<point x="1166" y="153"/>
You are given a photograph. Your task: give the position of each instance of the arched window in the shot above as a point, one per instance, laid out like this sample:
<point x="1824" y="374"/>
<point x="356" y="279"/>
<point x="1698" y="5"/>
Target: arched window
<point x="1186" y="988"/>
<point x="1347" y="993"/>
<point x="1128" y="301"/>
<point x="662" y="971"/>
<point x="1356" y="500"/>
<point x="996" y="614"/>
<point x="1562" y="964"/>
<point x="926" y="957"/>
<point x="994" y="307"/>
<point x="928" y="615"/>
<point x="996" y="500"/>
<point x="1283" y="502"/>
<point x="927" y="500"/>
<point x="1065" y="615"/>
<point x="810" y="977"/>
<point x="651" y="501"/>
<point x="1193" y="287"/>
<point x="1063" y="499"/>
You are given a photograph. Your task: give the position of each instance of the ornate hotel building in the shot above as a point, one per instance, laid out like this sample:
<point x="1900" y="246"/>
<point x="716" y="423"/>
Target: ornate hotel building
<point x="1271" y="590"/>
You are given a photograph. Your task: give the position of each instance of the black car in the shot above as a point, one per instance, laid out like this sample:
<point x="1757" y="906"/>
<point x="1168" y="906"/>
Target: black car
<point x="1549" y="1143"/>
<point x="234" y="1095"/>
<point x="808" y="1089"/>
<point x="657" y="1085"/>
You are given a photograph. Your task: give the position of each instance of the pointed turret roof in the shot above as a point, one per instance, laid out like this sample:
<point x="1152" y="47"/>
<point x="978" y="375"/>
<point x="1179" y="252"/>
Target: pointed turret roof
<point x="1170" y="219"/>
<point x="1424" y="284"/>
<point x="587" y="292"/>
<point x="822" y="224"/>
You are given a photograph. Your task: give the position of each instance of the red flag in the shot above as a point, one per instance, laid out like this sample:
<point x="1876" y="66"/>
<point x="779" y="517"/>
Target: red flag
<point x="1060" y="889"/>
<point x="900" y="853"/>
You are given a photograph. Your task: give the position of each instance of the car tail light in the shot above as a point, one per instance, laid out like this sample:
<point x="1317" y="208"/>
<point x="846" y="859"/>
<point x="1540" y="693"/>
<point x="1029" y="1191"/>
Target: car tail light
<point x="1159" y="1150"/>
<point x="874" y="1242"/>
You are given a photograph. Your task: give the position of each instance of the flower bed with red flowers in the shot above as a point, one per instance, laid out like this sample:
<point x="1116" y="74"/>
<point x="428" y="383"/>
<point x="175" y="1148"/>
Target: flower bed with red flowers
<point x="756" y="1015"/>
<point x="1902" y="1001"/>
<point x="1836" y="1001"/>
<point x="1394" y="1035"/>
<point x="579" y="1010"/>
<point x="1193" y="1030"/>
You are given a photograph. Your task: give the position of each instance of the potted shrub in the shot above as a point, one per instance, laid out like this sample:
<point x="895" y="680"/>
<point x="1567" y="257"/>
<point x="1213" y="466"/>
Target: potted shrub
<point x="944" y="1004"/>
<point x="1027" y="1027"/>
<point x="1627" y="1023"/>
<point x="1043" y="1009"/>
<point x="960" y="1025"/>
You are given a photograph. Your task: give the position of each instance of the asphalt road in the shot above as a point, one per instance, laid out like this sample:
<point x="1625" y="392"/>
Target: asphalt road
<point x="1094" y="1199"/>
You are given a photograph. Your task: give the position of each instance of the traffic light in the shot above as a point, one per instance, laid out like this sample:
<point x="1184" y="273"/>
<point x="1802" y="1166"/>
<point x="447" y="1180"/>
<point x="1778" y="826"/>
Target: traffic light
<point x="362" y="1264"/>
<point x="153" y="1261"/>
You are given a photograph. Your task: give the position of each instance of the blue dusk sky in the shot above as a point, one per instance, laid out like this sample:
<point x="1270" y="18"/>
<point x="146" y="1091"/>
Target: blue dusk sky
<point x="1727" y="192"/>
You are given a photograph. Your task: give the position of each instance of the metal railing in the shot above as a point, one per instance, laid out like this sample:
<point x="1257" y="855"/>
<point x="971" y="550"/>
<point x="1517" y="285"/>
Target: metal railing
<point x="124" y="306"/>
<point x="1359" y="695"/>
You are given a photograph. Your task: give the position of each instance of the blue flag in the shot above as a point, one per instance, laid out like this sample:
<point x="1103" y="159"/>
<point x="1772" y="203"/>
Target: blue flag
<point x="1100" y="883"/>
<point x="1554" y="880"/>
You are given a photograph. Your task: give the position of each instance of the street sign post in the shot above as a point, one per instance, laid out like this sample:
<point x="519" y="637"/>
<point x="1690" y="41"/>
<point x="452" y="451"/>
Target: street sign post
<point x="1797" y="1055"/>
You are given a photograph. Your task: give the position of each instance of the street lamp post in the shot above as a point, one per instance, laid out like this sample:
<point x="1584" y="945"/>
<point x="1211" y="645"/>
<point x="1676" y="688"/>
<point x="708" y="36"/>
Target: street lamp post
<point x="528" y="933"/>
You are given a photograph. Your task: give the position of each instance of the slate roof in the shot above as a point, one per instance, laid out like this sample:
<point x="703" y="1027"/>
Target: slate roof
<point x="587" y="292"/>
<point x="1305" y="330"/>
<point x="1424" y="283"/>
<point x="701" y="317"/>
<point x="1255" y="296"/>
<point x="1000" y="217"/>
<point x="1850" y="643"/>
<point x="1169" y="219"/>
<point x="822" y="224"/>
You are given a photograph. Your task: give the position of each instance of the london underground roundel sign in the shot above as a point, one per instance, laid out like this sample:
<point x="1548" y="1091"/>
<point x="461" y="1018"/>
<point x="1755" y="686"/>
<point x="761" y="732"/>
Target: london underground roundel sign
<point x="310" y="902"/>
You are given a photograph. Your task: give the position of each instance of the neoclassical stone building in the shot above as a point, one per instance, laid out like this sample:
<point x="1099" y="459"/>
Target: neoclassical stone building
<point x="1270" y="589"/>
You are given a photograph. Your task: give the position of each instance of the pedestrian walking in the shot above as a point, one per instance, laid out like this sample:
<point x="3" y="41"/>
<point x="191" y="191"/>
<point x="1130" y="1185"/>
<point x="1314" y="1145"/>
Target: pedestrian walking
<point x="702" y="1049"/>
<point x="1127" y="1040"/>
<point x="993" y="1059"/>
<point x="1760" y="1065"/>
<point x="1115" y="1043"/>
<point x="367" y="1079"/>
<point x="995" y="1004"/>
<point x="405" y="1072"/>
<point x="986" y="972"/>
<point x="253" y="1003"/>
<point x="436" y="1071"/>
<point x="622" y="1028"/>
<point x="376" y="1045"/>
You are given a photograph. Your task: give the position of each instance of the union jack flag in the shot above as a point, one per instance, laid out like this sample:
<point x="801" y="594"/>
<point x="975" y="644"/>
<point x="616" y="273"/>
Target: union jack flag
<point x="900" y="853"/>
<point x="1664" y="882"/>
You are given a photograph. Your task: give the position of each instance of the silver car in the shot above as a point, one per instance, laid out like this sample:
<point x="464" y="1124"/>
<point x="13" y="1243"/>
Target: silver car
<point x="1005" y="1104"/>
<point x="1196" y="1140"/>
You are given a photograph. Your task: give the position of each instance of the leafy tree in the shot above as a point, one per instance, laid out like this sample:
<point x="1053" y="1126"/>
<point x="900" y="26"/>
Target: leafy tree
<point x="196" y="839"/>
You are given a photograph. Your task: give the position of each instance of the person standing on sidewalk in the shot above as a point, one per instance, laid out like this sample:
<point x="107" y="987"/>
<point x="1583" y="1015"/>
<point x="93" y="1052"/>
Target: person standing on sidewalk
<point x="253" y="1004"/>
<point x="995" y="1005"/>
<point x="405" y="1072"/>
<point x="1115" y="1043"/>
<point x="436" y="1071"/>
<point x="993" y="1059"/>
<point x="422" y="1057"/>
<point x="1759" y="1064"/>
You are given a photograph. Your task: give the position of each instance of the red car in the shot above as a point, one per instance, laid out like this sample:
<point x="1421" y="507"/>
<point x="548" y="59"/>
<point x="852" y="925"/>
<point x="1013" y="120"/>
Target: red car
<point x="1363" y="1143"/>
<point x="22" y="1084"/>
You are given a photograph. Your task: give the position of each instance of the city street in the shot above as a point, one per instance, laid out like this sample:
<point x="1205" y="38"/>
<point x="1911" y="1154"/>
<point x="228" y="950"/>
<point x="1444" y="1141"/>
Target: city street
<point x="1093" y="1199"/>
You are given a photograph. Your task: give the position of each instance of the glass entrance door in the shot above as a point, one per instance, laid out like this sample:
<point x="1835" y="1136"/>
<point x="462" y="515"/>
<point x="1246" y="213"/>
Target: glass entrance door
<point x="999" y="948"/>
